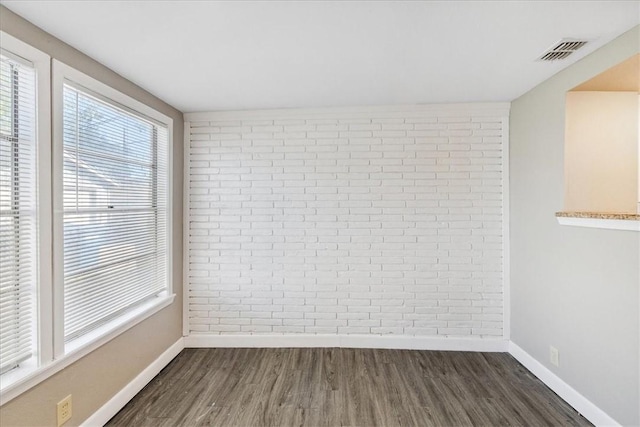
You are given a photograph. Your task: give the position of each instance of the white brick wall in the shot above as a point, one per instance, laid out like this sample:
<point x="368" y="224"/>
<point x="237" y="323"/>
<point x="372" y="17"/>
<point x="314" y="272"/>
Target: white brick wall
<point x="373" y="221"/>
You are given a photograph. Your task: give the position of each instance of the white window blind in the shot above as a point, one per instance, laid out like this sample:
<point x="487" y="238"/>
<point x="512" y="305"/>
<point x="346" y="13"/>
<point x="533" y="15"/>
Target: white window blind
<point x="115" y="210"/>
<point x="18" y="238"/>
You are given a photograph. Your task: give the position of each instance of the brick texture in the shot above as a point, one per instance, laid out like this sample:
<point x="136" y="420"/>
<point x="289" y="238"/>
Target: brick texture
<point x="346" y="224"/>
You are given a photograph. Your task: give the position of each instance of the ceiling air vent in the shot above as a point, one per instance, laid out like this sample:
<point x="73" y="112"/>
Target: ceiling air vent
<point x="562" y="49"/>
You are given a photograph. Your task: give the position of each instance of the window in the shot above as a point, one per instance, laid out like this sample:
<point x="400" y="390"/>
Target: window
<point x="111" y="245"/>
<point x="114" y="210"/>
<point x="18" y="221"/>
<point x="85" y="248"/>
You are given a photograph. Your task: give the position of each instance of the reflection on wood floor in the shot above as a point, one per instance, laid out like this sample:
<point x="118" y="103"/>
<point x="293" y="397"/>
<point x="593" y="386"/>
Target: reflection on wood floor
<point x="344" y="387"/>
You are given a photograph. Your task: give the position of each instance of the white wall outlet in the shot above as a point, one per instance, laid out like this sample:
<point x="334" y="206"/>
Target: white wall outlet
<point x="554" y="356"/>
<point x="64" y="410"/>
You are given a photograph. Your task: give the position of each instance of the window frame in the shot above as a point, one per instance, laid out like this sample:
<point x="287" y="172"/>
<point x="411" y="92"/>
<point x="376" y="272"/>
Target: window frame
<point x="53" y="354"/>
<point x="42" y="268"/>
<point x="157" y="193"/>
<point x="23" y="200"/>
<point x="62" y="74"/>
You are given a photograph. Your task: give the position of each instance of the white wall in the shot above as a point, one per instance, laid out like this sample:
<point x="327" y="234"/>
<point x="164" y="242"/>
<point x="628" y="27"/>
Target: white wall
<point x="601" y="152"/>
<point x="573" y="288"/>
<point x="347" y="221"/>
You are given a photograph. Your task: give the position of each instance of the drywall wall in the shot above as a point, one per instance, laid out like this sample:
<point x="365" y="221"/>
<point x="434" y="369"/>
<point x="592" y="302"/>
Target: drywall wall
<point x="601" y="152"/>
<point x="622" y="77"/>
<point x="371" y="221"/>
<point x="94" y="379"/>
<point x="573" y="288"/>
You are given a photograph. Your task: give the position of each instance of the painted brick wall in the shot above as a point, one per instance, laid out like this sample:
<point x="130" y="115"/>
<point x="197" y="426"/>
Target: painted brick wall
<point x="347" y="221"/>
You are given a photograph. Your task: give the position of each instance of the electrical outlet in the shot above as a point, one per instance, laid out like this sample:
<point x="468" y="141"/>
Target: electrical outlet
<point x="554" y="356"/>
<point x="64" y="410"/>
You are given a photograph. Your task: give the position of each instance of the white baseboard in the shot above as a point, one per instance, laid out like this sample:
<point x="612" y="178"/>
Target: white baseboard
<point x="117" y="402"/>
<point x="348" y="341"/>
<point x="580" y="403"/>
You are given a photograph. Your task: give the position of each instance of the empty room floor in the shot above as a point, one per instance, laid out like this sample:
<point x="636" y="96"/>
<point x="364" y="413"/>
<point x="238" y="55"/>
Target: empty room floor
<point x="344" y="387"/>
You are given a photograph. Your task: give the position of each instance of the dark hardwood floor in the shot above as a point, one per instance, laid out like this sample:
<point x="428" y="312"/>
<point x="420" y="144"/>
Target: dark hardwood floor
<point x="344" y="387"/>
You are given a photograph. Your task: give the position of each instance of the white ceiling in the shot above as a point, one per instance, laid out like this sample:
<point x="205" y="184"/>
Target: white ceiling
<point x="205" y="55"/>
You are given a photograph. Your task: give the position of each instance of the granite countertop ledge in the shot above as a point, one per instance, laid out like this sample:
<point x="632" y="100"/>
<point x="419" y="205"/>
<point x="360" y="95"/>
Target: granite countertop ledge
<point x="600" y="215"/>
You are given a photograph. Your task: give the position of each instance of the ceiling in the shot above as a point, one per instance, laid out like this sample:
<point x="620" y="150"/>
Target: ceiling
<point x="205" y="55"/>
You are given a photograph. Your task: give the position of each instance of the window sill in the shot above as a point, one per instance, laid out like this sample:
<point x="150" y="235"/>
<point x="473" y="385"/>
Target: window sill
<point x="610" y="221"/>
<point x="22" y="379"/>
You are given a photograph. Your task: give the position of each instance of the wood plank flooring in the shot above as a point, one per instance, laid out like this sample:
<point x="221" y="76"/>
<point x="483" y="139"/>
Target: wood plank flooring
<point x="344" y="387"/>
